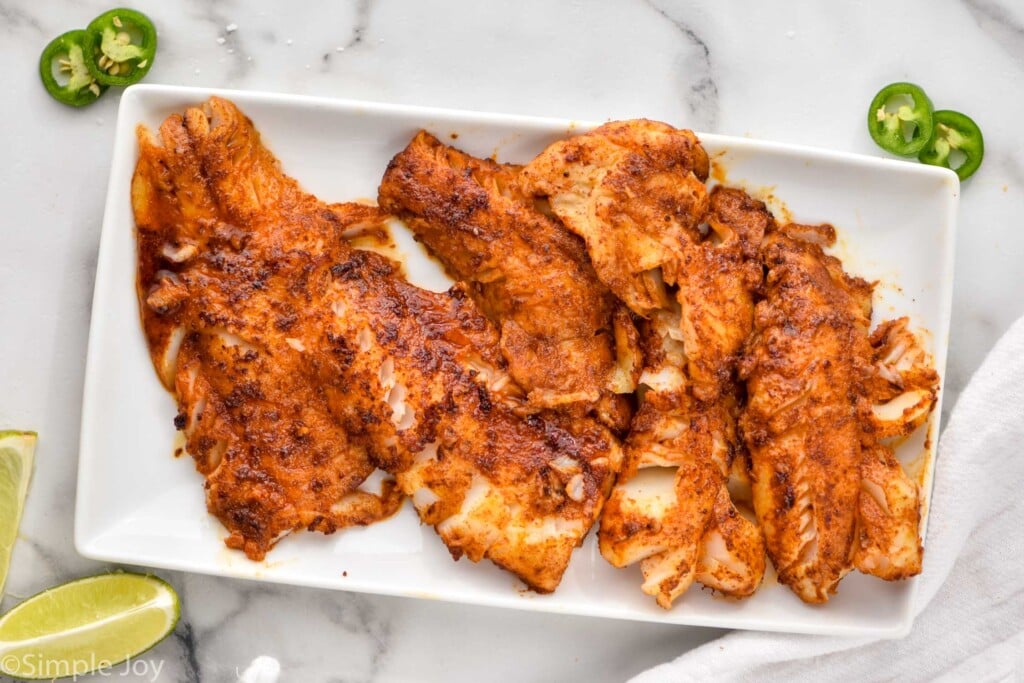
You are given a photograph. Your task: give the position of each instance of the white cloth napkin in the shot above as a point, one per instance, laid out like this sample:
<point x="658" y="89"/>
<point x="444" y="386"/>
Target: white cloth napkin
<point x="970" y="604"/>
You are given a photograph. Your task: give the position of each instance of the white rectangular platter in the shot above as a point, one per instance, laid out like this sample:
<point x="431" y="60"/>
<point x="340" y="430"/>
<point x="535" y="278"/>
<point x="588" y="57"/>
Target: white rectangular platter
<point x="139" y="505"/>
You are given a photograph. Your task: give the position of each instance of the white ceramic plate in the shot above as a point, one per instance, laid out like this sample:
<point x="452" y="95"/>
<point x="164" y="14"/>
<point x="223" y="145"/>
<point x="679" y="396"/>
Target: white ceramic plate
<point x="139" y="505"/>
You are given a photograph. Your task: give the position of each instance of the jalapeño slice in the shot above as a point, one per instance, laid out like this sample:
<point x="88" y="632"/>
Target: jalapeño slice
<point x="956" y="135"/>
<point x="900" y="119"/>
<point x="121" y="46"/>
<point x="63" y="68"/>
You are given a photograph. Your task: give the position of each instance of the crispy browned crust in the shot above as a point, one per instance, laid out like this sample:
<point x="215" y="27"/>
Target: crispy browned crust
<point x="528" y="274"/>
<point x="827" y="494"/>
<point x="687" y="418"/>
<point x="468" y="442"/>
<point x="805" y="370"/>
<point x="633" y="191"/>
<point x="274" y="457"/>
<point x="410" y="380"/>
<point x="717" y="284"/>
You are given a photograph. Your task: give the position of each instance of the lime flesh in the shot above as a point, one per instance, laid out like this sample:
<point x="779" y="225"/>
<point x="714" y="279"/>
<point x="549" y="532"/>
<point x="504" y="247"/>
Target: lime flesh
<point x="86" y="625"/>
<point x="17" y="452"/>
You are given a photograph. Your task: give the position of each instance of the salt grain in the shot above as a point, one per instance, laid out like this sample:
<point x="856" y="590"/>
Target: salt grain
<point x="220" y="41"/>
<point x="231" y="28"/>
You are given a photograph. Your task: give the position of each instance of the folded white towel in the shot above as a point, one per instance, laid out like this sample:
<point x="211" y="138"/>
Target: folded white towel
<point x="970" y="602"/>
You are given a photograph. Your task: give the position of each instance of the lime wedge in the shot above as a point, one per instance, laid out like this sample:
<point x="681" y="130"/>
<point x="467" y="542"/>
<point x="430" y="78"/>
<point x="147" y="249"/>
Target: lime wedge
<point x="17" y="451"/>
<point x="86" y="625"/>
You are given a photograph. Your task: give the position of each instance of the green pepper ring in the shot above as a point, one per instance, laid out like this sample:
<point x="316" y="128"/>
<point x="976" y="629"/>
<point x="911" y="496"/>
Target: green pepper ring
<point x="887" y="132"/>
<point x="59" y="45"/>
<point x="94" y="37"/>
<point x="969" y="141"/>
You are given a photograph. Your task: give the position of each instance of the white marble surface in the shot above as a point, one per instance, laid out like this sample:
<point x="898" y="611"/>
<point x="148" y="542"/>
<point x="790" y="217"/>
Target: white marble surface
<point x="802" y="75"/>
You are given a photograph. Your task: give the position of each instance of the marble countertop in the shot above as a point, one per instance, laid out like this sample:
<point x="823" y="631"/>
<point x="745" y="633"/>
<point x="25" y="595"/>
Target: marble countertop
<point x="803" y="75"/>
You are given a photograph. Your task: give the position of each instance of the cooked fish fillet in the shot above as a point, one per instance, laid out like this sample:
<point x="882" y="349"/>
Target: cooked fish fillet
<point x="807" y="365"/>
<point x="662" y="504"/>
<point x="414" y="377"/>
<point x="671" y="507"/>
<point x="717" y="279"/>
<point x="567" y="339"/>
<point x="633" y="191"/>
<point x="904" y="386"/>
<point x="223" y="322"/>
<point x="903" y="390"/>
<point x="827" y="493"/>
<point x="888" y="541"/>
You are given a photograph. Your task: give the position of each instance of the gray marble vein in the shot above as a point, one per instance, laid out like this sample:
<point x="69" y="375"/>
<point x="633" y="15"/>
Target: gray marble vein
<point x="14" y="17"/>
<point x="186" y="640"/>
<point x="361" y="24"/>
<point x="998" y="20"/>
<point x="696" y="69"/>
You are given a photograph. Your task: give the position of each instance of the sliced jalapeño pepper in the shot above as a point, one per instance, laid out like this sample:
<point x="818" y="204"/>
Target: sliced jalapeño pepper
<point x="122" y="43"/>
<point x="955" y="132"/>
<point x="65" y="73"/>
<point x="898" y="126"/>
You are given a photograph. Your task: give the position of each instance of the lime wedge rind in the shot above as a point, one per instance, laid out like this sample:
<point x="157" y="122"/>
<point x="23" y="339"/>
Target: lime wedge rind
<point x="4" y="433"/>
